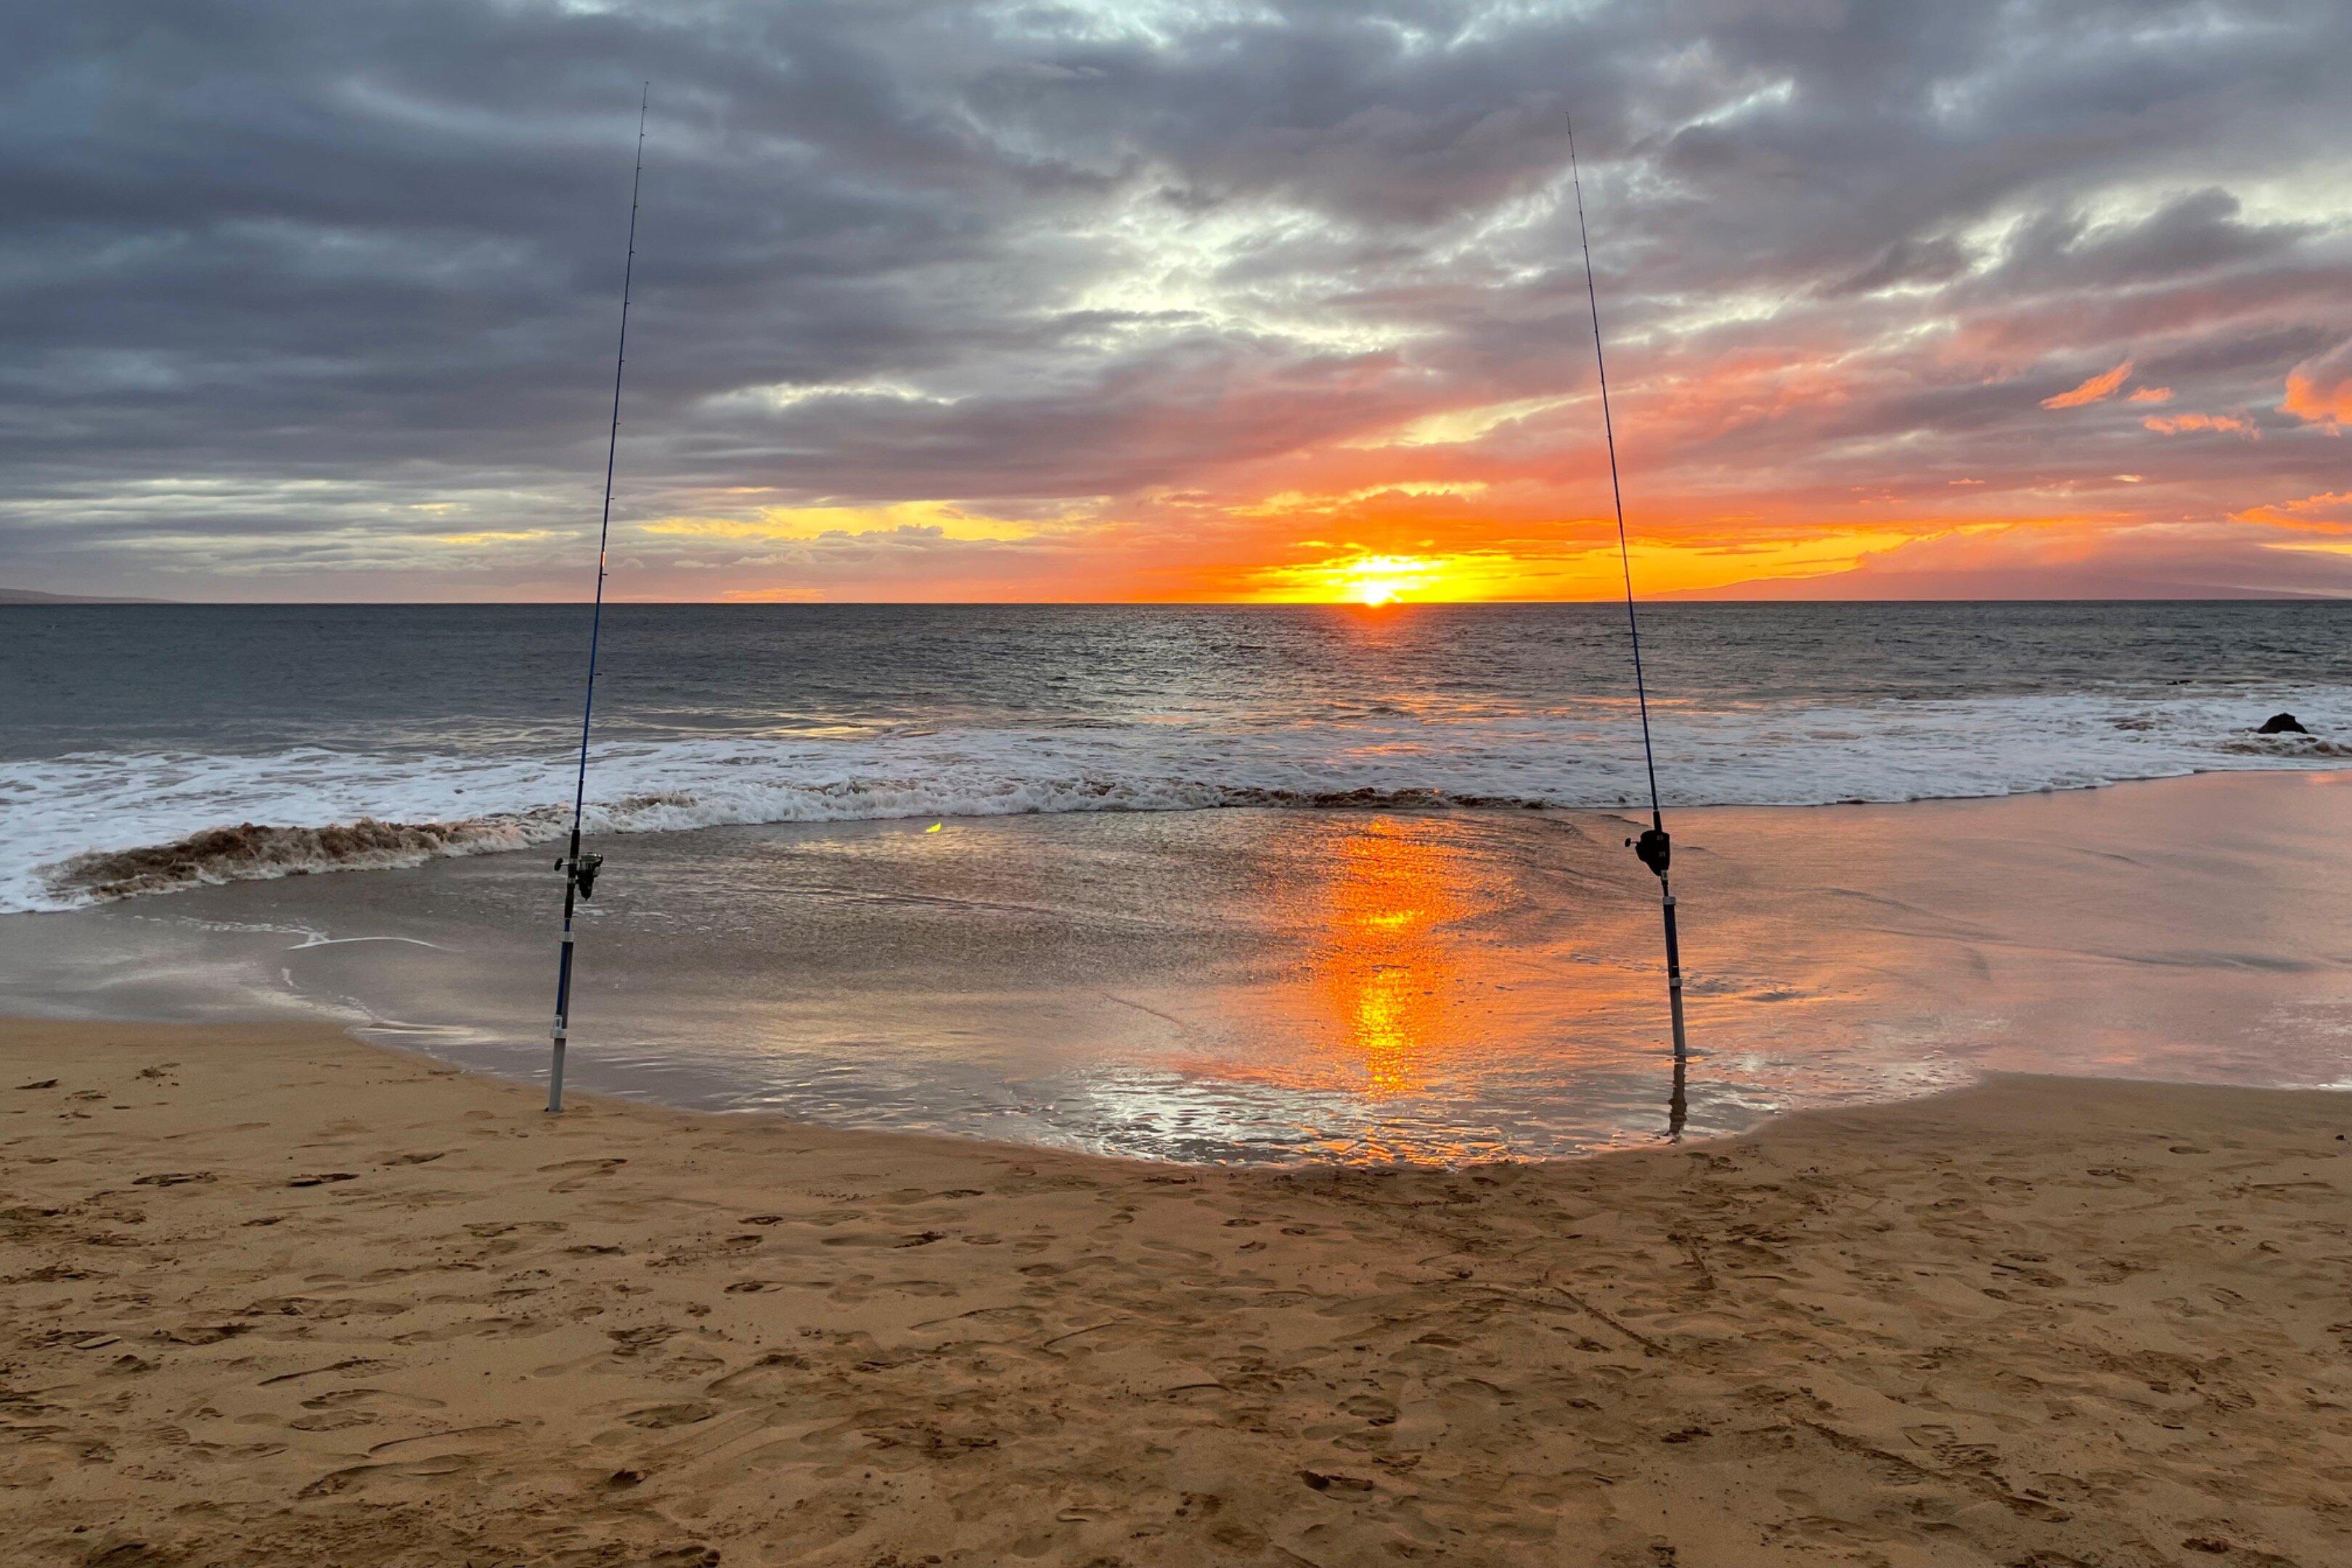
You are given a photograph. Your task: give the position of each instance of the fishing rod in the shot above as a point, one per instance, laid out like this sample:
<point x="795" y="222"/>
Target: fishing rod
<point x="1653" y="848"/>
<point x="579" y="870"/>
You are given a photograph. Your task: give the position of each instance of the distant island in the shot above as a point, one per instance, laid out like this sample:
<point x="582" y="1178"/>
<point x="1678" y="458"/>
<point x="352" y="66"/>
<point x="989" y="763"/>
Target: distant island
<point x="33" y="596"/>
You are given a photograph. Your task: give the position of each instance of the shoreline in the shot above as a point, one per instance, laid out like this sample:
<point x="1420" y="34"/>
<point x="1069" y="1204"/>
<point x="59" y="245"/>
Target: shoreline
<point x="442" y="835"/>
<point x="277" y="1295"/>
<point x="606" y="1102"/>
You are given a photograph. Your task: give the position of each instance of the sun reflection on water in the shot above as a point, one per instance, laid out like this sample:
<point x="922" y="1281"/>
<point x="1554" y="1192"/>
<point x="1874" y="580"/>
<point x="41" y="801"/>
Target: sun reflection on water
<point x="1389" y="960"/>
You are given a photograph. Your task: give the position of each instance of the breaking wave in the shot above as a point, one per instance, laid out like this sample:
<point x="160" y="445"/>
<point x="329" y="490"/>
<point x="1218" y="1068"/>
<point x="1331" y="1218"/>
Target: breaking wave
<point x="250" y="851"/>
<point x="95" y="826"/>
<point x="2289" y="749"/>
<point x="254" y="852"/>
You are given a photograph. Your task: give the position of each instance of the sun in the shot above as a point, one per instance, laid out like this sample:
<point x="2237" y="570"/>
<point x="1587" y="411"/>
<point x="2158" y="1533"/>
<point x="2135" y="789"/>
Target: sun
<point x="1371" y="582"/>
<point x="1376" y="580"/>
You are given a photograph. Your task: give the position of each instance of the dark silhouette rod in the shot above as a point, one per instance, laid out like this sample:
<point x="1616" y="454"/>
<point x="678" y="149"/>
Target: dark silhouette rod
<point x="1654" y="848"/>
<point x="579" y="870"/>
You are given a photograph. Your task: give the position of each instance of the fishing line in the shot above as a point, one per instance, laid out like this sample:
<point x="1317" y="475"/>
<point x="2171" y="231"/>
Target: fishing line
<point x="1653" y="847"/>
<point x="579" y="870"/>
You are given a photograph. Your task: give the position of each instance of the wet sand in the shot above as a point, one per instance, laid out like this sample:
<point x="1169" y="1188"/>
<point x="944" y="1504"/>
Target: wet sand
<point x="270" y="1295"/>
<point x="1260" y="986"/>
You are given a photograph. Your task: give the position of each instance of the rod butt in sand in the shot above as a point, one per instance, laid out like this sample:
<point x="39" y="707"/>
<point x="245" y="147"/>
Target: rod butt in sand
<point x="563" y="1016"/>
<point x="1674" y="976"/>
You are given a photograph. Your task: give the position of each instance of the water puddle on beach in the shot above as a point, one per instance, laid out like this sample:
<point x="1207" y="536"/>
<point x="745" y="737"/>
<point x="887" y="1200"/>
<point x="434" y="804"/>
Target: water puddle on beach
<point x="1280" y="985"/>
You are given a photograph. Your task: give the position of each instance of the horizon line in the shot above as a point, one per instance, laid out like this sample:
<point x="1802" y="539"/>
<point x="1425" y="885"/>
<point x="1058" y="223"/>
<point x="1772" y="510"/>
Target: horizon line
<point x="1662" y="601"/>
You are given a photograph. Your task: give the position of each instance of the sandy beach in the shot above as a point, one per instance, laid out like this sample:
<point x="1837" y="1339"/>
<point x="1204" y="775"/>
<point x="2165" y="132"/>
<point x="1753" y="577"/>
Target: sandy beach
<point x="274" y="1295"/>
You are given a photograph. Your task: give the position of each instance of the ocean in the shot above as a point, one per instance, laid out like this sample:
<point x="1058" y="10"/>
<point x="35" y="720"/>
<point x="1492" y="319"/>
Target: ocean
<point x="1206" y="885"/>
<point x="352" y="736"/>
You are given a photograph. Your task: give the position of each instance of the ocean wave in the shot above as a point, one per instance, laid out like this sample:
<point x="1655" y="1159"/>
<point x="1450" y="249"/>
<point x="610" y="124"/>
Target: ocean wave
<point x="92" y="827"/>
<point x="2289" y="749"/>
<point x="250" y="851"/>
<point x="256" y="852"/>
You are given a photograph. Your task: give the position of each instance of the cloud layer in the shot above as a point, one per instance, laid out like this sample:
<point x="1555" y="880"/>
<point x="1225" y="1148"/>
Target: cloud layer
<point x="312" y="299"/>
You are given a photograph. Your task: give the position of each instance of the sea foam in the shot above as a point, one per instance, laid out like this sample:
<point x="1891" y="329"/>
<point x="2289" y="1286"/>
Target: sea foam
<point x="97" y="826"/>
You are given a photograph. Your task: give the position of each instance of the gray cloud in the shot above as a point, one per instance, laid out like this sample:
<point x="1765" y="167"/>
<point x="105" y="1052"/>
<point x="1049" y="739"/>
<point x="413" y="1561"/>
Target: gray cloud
<point x="296" y="297"/>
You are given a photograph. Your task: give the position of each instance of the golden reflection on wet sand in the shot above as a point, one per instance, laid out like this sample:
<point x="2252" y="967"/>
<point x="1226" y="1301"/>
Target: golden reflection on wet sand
<point x="1437" y="942"/>
<point x="1389" y="958"/>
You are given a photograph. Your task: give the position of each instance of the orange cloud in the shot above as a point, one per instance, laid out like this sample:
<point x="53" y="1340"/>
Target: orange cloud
<point x="2330" y="512"/>
<point x="2319" y="391"/>
<point x="2099" y="389"/>
<point x="1762" y="459"/>
<point x="1747" y="386"/>
<point x="2181" y="424"/>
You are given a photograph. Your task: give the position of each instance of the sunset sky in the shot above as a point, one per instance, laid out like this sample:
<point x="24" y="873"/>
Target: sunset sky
<point x="1145" y="300"/>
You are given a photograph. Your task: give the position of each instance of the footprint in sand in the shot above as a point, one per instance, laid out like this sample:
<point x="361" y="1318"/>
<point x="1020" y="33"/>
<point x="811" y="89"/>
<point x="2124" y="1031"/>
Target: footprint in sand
<point x="332" y="1421"/>
<point x="465" y="1449"/>
<point x="487" y="1229"/>
<point x="370" y="1399"/>
<point x="637" y="1340"/>
<point x="204" y="1333"/>
<point x="583" y="1171"/>
<point x="661" y="1417"/>
<point x="773" y="1372"/>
